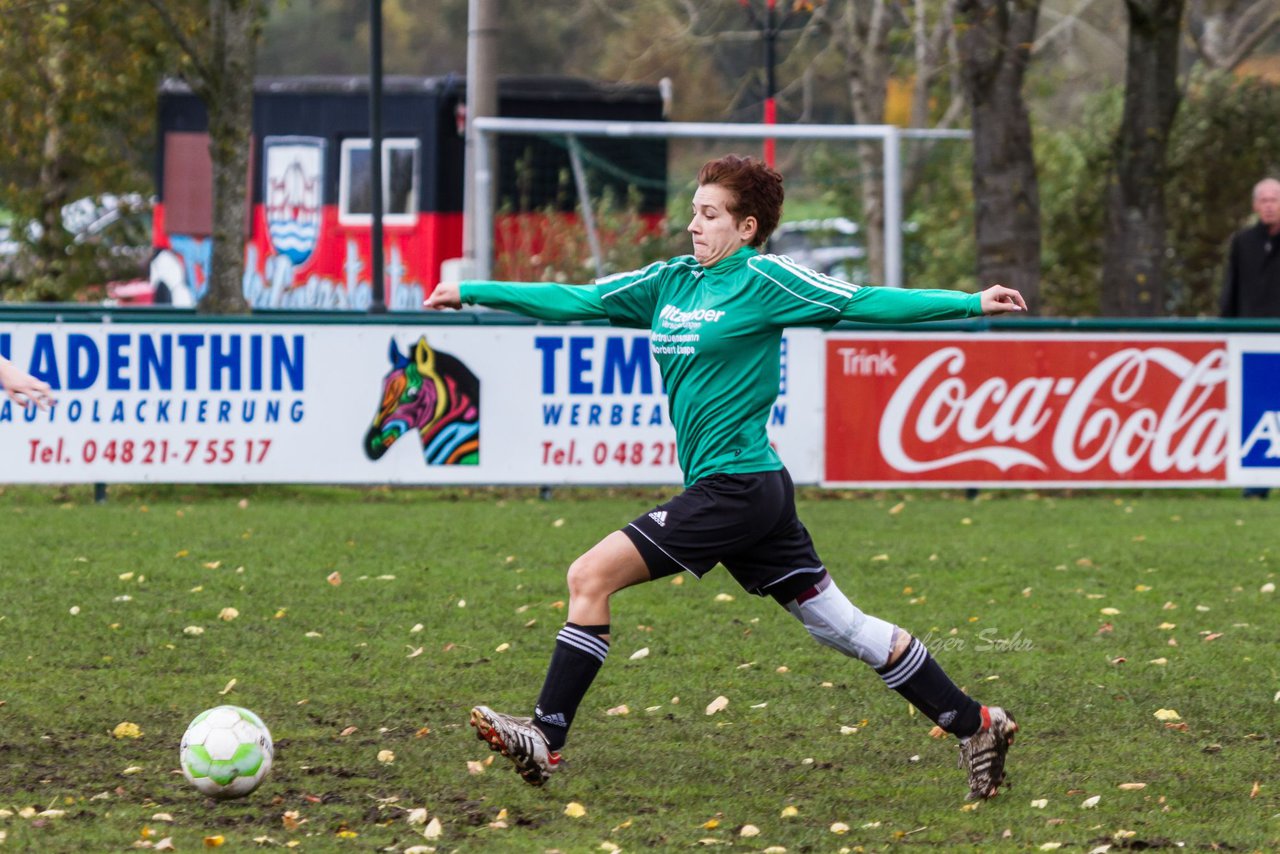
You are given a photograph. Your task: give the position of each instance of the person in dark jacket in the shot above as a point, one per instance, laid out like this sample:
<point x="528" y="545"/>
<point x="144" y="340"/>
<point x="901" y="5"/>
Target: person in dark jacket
<point x="1251" y="287"/>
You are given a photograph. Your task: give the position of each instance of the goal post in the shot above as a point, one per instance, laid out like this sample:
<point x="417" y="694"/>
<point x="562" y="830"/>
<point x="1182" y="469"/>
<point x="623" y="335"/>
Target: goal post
<point x="889" y="136"/>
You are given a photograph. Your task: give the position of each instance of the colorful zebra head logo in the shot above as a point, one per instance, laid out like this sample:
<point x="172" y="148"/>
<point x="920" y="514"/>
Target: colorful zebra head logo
<point x="435" y="394"/>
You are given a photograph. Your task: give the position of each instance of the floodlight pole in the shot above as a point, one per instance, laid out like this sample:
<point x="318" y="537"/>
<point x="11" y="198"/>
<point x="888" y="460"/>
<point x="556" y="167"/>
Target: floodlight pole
<point x="769" y="37"/>
<point x="377" y="280"/>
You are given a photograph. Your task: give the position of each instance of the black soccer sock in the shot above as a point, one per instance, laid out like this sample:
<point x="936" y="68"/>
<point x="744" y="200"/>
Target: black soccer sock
<point x="579" y="653"/>
<point x="922" y="681"/>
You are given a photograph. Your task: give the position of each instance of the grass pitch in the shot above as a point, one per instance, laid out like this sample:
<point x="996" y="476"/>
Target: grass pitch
<point x="1134" y="636"/>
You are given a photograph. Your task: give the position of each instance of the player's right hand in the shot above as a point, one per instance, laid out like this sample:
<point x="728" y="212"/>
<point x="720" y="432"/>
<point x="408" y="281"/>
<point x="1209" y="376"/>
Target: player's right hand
<point x="445" y="295"/>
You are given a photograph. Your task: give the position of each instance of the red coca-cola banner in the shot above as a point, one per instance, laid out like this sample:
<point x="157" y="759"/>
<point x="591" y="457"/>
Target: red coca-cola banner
<point x="1042" y="410"/>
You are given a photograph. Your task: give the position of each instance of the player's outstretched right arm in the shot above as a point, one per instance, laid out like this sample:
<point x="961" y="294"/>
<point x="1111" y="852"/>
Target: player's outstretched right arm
<point x="543" y="301"/>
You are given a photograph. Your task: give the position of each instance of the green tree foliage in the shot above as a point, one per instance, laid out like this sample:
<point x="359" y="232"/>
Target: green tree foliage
<point x="1073" y="165"/>
<point x="420" y="37"/>
<point x="77" y="106"/>
<point x="1222" y="143"/>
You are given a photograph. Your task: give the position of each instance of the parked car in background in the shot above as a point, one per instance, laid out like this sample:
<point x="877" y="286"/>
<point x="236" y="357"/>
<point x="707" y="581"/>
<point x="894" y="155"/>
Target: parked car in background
<point x="832" y="246"/>
<point x="110" y="243"/>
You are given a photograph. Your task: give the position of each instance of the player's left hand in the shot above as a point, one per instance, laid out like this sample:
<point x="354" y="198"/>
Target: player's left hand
<point x="998" y="299"/>
<point x="445" y="295"/>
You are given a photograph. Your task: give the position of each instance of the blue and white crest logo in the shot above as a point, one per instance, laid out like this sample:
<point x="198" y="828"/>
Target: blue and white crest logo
<point x="293" y="194"/>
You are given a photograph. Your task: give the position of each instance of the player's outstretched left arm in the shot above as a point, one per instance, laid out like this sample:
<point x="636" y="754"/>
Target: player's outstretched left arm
<point x="998" y="299"/>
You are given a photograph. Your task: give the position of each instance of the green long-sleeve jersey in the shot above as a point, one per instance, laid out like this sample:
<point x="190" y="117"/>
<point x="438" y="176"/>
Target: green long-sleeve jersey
<point x="716" y="333"/>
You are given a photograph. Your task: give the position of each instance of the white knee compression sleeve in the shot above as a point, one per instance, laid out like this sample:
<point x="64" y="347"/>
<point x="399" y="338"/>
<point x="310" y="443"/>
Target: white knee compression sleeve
<point x="836" y="622"/>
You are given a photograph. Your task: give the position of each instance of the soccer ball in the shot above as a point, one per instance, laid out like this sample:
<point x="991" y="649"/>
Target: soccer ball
<point x="226" y="752"/>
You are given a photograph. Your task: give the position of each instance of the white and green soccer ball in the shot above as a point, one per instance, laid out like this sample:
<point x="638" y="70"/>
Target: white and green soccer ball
<point x="226" y="752"/>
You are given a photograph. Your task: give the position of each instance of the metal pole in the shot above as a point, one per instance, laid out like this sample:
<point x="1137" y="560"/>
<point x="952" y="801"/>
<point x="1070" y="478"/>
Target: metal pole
<point x="584" y="196"/>
<point x="482" y="250"/>
<point x="892" y="208"/>
<point x="770" y="81"/>
<point x="482" y="100"/>
<point x="379" y="305"/>
<point x="712" y="130"/>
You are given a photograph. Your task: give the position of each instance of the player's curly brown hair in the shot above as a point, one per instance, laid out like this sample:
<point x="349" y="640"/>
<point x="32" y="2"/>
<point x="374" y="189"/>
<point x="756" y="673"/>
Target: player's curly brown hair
<point x="756" y="188"/>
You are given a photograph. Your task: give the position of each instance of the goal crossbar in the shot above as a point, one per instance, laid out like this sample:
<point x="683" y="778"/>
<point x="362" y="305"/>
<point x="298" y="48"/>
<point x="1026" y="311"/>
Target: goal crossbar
<point x="890" y="137"/>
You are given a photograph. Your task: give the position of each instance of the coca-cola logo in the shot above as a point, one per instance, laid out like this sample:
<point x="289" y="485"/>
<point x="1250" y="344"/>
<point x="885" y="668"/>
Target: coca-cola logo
<point x="1150" y="409"/>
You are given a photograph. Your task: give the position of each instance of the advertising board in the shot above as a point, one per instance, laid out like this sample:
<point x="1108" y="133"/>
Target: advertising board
<point x="320" y="403"/>
<point x="1026" y="410"/>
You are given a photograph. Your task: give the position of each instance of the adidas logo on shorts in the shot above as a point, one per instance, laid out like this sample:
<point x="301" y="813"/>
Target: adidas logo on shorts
<point x="659" y="516"/>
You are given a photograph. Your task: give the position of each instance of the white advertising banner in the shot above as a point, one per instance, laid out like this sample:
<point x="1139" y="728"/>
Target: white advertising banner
<point x="1254" y="401"/>
<point x="301" y="403"/>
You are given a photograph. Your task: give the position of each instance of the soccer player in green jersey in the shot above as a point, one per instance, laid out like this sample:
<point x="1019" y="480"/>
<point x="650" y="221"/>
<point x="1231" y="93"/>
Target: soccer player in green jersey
<point x="715" y="320"/>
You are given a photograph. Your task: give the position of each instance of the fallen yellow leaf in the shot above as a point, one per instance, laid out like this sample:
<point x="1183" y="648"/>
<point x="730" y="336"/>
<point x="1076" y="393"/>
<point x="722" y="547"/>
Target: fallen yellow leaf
<point x="386" y="757"/>
<point x="1167" y="715"/>
<point x="125" y="729"/>
<point x="573" y="809"/>
<point x="717" y="705"/>
<point x="789" y="812"/>
<point x="214" y="841"/>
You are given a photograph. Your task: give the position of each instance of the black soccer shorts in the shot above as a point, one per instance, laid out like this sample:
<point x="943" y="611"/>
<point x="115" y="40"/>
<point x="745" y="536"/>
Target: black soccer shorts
<point x="748" y="522"/>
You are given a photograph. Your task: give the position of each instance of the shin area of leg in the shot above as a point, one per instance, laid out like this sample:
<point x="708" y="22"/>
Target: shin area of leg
<point x="836" y="622"/>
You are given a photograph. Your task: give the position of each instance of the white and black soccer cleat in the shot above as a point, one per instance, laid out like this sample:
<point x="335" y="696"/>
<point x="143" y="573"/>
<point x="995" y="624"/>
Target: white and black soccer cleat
<point x="982" y="754"/>
<point x="518" y="740"/>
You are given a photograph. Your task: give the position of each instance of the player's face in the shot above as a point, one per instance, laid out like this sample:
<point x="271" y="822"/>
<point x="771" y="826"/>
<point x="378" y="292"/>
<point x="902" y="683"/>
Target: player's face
<point x="1266" y="204"/>
<point x="716" y="234"/>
